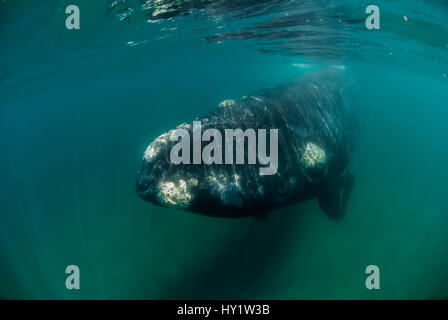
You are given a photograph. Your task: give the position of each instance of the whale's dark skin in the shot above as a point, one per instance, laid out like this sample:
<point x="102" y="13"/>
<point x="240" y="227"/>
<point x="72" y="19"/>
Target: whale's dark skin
<point x="314" y="110"/>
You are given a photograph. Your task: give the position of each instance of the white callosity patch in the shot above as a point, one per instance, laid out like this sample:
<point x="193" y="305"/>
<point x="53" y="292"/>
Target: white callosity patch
<point x="193" y="182"/>
<point x="174" y="195"/>
<point x="227" y="103"/>
<point x="185" y="126"/>
<point x="155" y="147"/>
<point x="158" y="144"/>
<point x="314" y="156"/>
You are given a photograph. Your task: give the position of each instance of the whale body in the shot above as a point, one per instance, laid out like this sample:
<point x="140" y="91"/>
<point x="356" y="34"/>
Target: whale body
<point x="316" y="136"/>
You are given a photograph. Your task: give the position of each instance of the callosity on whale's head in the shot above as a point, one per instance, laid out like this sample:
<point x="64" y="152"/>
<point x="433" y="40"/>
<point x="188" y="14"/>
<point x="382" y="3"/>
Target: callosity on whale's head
<point x="162" y="182"/>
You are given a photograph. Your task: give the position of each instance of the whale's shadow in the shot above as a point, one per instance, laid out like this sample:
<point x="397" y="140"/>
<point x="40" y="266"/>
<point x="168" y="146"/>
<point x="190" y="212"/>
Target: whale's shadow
<point x="237" y="269"/>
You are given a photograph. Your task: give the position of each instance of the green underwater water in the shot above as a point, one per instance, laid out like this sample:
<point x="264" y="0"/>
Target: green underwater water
<point x="78" y="109"/>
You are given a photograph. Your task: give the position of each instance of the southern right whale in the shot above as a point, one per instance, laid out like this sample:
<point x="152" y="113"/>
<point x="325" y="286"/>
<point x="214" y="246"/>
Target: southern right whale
<point x="316" y="136"/>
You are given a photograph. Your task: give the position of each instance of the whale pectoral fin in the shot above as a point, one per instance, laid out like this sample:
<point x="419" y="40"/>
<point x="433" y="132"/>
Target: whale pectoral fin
<point x="334" y="194"/>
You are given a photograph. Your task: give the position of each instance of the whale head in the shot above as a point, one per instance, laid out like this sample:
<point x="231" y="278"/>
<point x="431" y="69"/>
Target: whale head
<point x="161" y="182"/>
